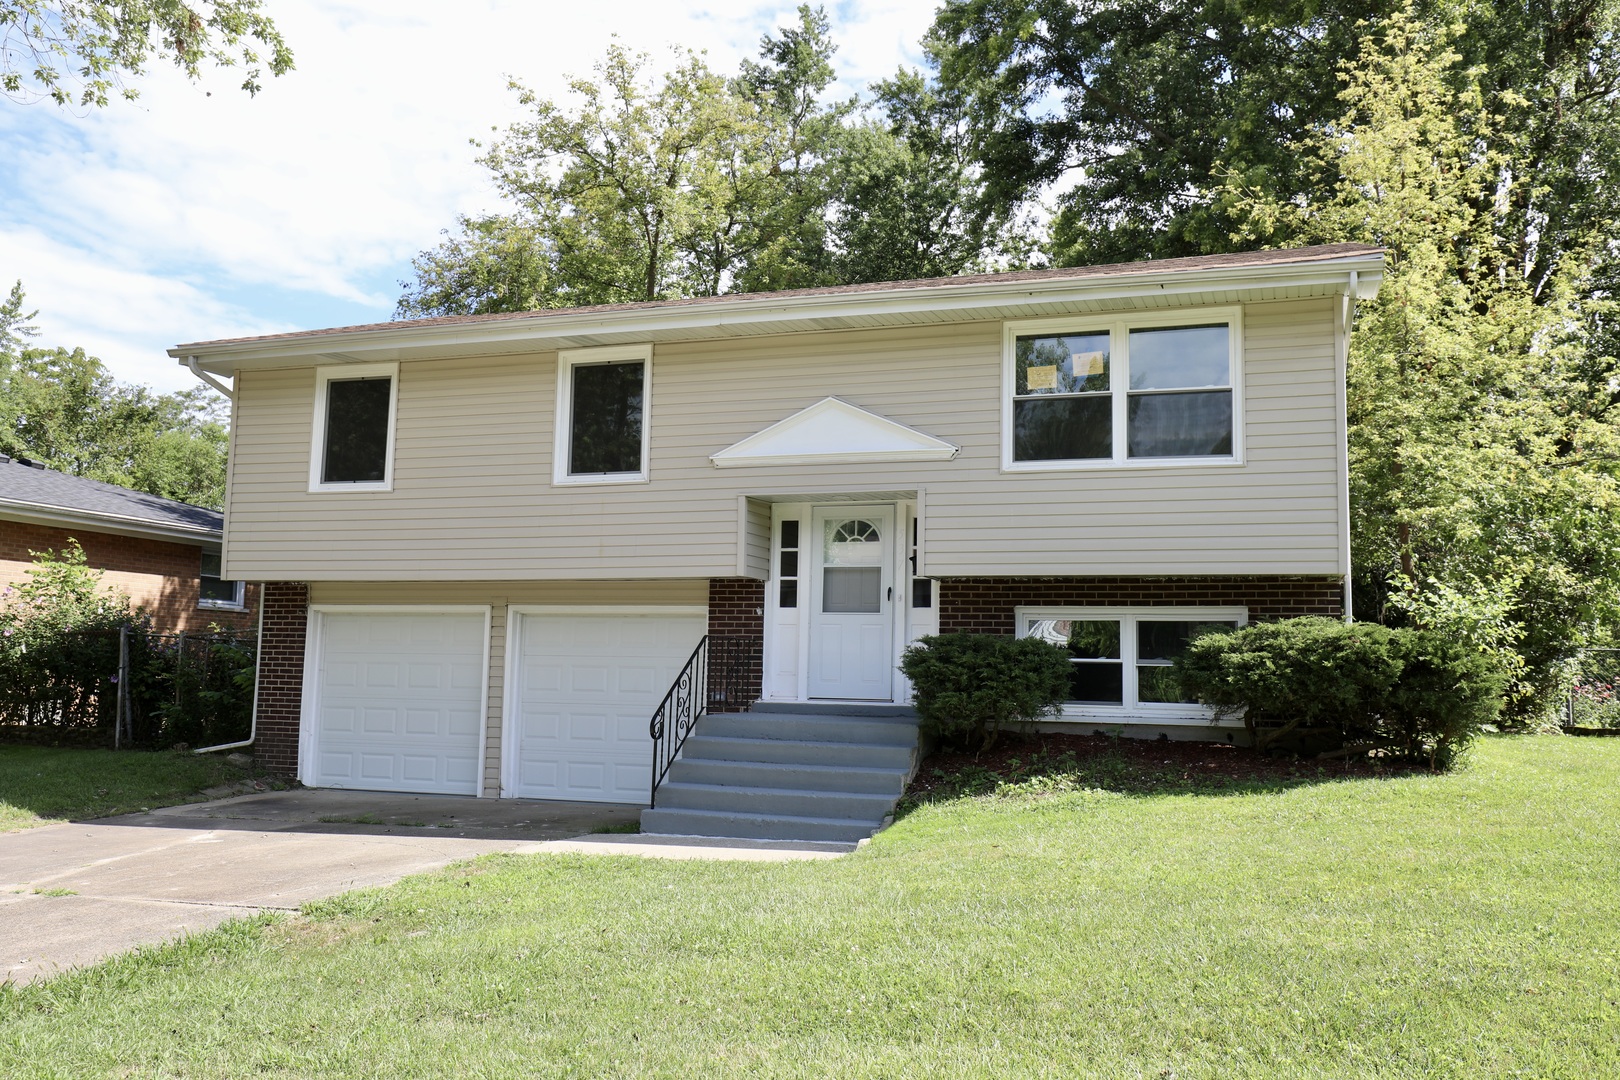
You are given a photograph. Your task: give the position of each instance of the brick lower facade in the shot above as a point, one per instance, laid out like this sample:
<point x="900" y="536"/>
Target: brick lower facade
<point x="159" y="576"/>
<point x="281" y="675"/>
<point x="985" y="605"/>
<point x="737" y="610"/>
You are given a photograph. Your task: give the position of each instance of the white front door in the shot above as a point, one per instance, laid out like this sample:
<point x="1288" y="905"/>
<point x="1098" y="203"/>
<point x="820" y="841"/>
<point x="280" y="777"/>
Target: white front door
<point x="852" y="603"/>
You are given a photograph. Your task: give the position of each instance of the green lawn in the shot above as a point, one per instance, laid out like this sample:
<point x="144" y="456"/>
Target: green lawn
<point x="41" y="784"/>
<point x="1458" y="926"/>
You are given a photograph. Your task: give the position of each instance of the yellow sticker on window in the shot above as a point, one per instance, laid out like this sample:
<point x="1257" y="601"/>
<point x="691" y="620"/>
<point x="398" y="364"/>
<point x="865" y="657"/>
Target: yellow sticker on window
<point x="1042" y="378"/>
<point x="1089" y="363"/>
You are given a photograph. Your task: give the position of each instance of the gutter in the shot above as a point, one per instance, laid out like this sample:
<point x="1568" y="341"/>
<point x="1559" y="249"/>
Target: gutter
<point x="728" y="318"/>
<point x="70" y="516"/>
<point x="253" y="722"/>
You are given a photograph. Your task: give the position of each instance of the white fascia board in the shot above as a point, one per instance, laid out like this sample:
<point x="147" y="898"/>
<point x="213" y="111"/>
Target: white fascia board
<point x="69" y="518"/>
<point x="968" y="300"/>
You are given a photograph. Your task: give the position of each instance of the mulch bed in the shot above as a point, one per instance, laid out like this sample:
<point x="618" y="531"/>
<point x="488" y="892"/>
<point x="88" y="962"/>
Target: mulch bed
<point x="1137" y="765"/>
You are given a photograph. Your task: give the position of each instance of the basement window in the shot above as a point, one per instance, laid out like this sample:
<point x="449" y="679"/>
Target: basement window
<point x="1121" y="659"/>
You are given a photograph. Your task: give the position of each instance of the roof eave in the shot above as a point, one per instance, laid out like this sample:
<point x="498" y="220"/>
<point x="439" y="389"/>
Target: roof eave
<point x="120" y="524"/>
<point x="1365" y="269"/>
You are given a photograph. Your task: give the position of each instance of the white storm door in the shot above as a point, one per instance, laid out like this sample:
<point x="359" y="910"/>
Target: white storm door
<point x="399" y="699"/>
<point x="852" y="603"/>
<point x="586" y="689"/>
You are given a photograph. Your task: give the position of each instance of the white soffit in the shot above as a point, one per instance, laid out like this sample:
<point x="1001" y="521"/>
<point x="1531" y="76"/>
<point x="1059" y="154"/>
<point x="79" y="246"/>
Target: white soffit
<point x="834" y="432"/>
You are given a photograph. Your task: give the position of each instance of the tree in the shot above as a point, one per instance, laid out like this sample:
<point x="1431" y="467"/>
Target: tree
<point x="697" y="185"/>
<point x="1133" y="102"/>
<point x="1147" y="109"/>
<point x="63" y="408"/>
<point x="1483" y="443"/>
<point x="16" y="325"/>
<point x="908" y="197"/>
<point x="79" y="52"/>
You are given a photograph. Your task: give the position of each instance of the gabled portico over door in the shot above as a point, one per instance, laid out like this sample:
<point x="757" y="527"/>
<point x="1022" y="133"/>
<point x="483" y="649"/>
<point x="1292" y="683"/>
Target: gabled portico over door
<point x="852" y="602"/>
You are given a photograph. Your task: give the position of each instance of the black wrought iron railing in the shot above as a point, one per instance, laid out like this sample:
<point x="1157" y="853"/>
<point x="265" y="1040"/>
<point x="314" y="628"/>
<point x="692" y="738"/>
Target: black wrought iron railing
<point x="721" y="675"/>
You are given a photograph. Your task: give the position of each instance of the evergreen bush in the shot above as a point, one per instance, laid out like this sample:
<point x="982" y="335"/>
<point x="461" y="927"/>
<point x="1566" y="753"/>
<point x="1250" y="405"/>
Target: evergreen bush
<point x="969" y="687"/>
<point x="1347" y="688"/>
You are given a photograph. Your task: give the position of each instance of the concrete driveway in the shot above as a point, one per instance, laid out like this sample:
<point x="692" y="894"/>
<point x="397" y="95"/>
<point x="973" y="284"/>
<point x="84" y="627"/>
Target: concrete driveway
<point x="74" y="893"/>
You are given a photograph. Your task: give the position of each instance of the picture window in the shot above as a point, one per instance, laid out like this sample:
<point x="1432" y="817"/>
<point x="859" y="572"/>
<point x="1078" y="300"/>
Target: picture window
<point x="1122" y="391"/>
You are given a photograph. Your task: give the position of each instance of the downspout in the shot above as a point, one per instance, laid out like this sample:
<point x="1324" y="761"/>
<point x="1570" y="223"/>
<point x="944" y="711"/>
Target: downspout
<point x="191" y="365"/>
<point x="1344" y="445"/>
<point x="253" y="721"/>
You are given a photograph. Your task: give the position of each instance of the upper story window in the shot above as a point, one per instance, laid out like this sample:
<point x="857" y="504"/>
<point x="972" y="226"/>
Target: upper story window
<point x="353" y="446"/>
<point x="1123" y="391"/>
<point x="602" y="397"/>
<point x="214" y="591"/>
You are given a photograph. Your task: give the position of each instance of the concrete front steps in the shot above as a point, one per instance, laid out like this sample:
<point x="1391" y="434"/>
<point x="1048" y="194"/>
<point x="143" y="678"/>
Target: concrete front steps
<point x="788" y="772"/>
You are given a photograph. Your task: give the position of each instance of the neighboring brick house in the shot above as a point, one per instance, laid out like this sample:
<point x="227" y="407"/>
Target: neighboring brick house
<point x="164" y="554"/>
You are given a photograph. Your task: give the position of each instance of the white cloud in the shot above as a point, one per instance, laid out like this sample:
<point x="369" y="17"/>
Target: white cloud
<point x="199" y="212"/>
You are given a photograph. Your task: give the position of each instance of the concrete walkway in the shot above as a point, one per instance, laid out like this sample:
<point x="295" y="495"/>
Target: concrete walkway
<point x="76" y="893"/>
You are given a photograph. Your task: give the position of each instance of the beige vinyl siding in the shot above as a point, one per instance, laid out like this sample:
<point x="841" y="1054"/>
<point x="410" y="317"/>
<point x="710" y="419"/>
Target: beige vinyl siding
<point x="473" y="501"/>
<point x="632" y="595"/>
<point x="757" y="540"/>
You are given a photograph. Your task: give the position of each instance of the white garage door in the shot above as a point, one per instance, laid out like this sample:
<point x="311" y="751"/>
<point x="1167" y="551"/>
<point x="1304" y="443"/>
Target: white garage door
<point x="586" y="689"/>
<point x="399" y="702"/>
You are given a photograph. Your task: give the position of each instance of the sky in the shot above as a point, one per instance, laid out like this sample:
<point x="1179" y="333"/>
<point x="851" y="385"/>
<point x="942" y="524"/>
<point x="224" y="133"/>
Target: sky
<point x="198" y="212"/>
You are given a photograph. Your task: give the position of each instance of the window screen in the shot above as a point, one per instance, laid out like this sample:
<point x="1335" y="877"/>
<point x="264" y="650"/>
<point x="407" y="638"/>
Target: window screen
<point x="605" y="432"/>
<point x="356" y="431"/>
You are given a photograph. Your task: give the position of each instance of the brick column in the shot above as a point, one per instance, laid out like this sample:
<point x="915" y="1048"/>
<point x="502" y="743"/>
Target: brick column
<point x="737" y="610"/>
<point x="281" y="674"/>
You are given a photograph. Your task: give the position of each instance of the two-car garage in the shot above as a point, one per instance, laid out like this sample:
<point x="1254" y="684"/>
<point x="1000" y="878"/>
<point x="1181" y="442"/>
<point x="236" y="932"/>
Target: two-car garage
<point x="399" y="698"/>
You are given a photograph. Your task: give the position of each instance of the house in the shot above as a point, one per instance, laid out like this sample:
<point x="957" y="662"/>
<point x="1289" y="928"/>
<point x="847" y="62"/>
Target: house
<point x="490" y="543"/>
<point x="164" y="554"/>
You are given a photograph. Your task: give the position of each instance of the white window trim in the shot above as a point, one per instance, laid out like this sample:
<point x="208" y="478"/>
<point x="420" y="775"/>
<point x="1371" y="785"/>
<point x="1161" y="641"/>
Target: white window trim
<point x="317" y="446"/>
<point x="1152" y="712"/>
<point x="1118" y="328"/>
<point x="237" y="604"/>
<point x="567" y="360"/>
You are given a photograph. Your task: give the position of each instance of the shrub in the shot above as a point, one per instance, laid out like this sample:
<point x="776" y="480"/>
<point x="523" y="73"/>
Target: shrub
<point x="1347" y="688"/>
<point x="968" y="687"/>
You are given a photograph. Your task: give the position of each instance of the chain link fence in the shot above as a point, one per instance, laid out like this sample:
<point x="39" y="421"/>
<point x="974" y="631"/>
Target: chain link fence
<point x="1594" y="694"/>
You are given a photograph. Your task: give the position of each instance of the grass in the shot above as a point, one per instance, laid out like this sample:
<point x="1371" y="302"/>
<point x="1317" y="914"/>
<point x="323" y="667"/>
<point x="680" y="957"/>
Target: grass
<point x="1417" y="926"/>
<point x="42" y="784"/>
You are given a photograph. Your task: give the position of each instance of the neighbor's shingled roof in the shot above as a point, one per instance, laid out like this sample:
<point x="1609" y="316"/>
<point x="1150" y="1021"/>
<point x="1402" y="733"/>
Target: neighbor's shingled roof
<point x="26" y="486"/>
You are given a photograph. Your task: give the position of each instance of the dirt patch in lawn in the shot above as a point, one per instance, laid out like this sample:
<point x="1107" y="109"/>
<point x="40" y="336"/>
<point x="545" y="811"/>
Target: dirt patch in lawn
<point x="1131" y="766"/>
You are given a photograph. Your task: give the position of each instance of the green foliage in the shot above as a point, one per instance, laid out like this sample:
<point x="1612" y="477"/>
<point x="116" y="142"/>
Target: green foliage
<point x="63" y="409"/>
<point x="695" y="184"/>
<point x="78" y="53"/>
<point x="1354" y="687"/>
<point x="969" y="687"/>
<point x="203" y="692"/>
<point x="1483" y="441"/>
<point x="59" y="643"/>
<point x="1143" y="102"/>
<point x="59" y="662"/>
